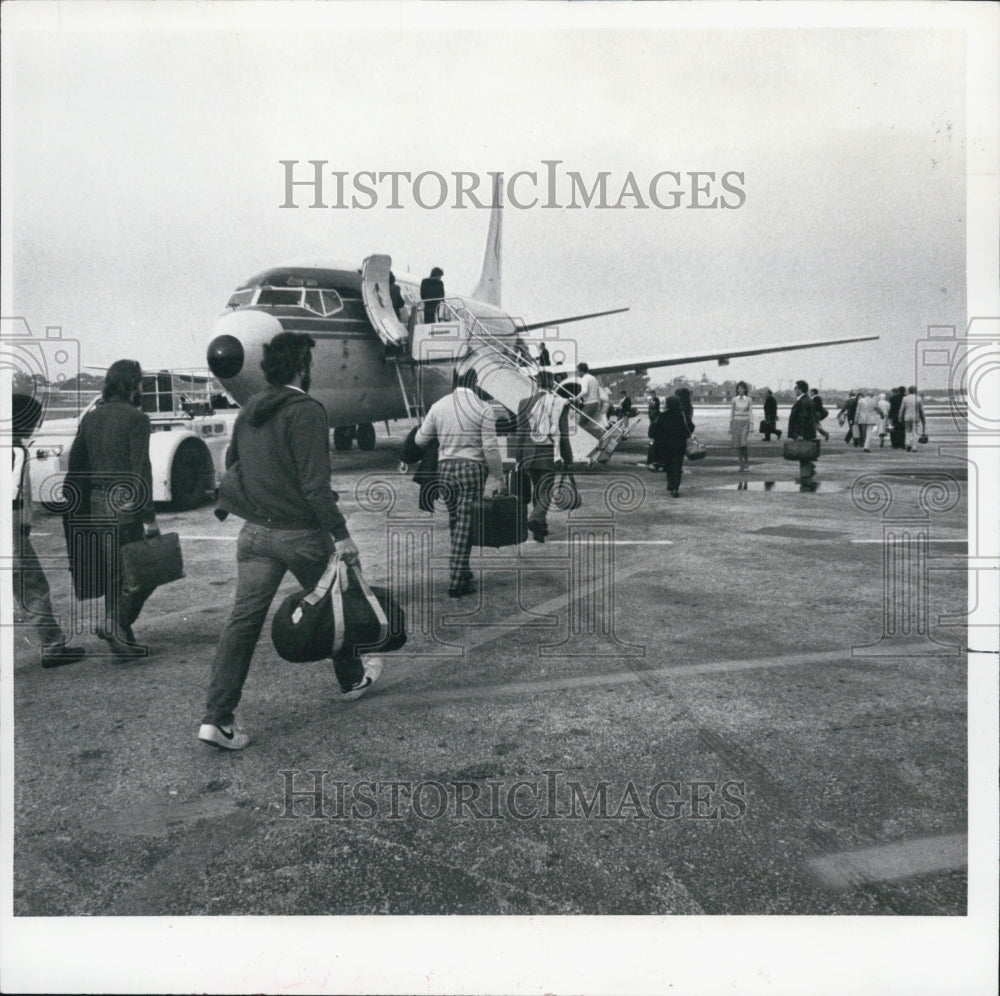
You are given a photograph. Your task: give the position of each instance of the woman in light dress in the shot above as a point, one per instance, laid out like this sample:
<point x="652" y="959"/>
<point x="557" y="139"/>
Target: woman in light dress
<point x="740" y="417"/>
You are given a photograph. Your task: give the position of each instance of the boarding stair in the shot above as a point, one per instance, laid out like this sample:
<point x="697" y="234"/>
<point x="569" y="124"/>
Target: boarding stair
<point x="503" y="367"/>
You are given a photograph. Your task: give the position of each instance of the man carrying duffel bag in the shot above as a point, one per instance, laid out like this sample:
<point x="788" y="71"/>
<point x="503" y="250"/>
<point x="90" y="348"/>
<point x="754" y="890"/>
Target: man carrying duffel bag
<point x="464" y="425"/>
<point x="278" y="480"/>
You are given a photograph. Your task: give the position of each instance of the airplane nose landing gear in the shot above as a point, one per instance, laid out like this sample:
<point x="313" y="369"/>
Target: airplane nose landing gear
<point x="344" y="436"/>
<point x="366" y="436"/>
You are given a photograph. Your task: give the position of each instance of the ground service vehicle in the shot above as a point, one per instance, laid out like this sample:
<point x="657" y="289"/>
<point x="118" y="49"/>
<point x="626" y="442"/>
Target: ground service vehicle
<point x="192" y="419"/>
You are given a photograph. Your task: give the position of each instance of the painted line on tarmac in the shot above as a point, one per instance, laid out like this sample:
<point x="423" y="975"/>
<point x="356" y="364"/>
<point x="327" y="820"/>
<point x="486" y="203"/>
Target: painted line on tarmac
<point x="619" y="542"/>
<point x="890" y="862"/>
<point x="930" y="539"/>
<point x="226" y="538"/>
<point x="534" y="688"/>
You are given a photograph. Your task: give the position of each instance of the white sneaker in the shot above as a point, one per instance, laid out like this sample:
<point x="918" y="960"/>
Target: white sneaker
<point x="221" y="736"/>
<point x="373" y="668"/>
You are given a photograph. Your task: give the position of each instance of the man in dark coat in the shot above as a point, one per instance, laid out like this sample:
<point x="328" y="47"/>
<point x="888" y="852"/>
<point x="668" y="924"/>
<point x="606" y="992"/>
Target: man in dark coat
<point x="819" y="411"/>
<point x="802" y="425"/>
<point x="897" y="434"/>
<point x="770" y="416"/>
<point x="669" y="433"/>
<point x="432" y="293"/>
<point x="110" y="460"/>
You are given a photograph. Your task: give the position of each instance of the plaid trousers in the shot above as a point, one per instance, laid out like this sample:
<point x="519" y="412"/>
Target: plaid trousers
<point x="462" y="484"/>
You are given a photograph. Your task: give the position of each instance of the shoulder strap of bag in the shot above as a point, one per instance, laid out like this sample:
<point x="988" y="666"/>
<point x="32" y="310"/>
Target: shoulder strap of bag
<point x="383" y="622"/>
<point x="332" y="584"/>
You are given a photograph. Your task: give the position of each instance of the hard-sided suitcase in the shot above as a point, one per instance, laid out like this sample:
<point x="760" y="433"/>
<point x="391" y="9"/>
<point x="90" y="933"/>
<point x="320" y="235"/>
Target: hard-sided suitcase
<point x="148" y="563"/>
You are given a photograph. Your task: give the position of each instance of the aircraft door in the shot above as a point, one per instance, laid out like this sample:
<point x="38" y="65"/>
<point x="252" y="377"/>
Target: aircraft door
<point x="378" y="303"/>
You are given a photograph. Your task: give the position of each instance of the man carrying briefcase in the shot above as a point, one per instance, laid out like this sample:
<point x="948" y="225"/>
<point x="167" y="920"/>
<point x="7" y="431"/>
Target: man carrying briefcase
<point x="464" y="425"/>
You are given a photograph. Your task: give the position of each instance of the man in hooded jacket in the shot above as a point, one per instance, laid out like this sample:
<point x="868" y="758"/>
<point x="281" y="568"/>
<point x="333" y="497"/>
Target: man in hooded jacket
<point x="278" y="480"/>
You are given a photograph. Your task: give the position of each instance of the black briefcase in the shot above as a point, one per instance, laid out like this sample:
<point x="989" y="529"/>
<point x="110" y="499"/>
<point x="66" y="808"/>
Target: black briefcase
<point x="500" y="521"/>
<point x="148" y="563"/>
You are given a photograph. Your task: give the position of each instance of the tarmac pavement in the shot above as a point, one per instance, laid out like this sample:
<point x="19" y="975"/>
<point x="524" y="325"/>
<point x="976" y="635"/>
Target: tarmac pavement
<point x="734" y="702"/>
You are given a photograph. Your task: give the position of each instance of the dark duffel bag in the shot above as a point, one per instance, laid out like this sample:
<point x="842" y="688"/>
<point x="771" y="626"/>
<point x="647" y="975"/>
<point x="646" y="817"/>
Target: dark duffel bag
<point x="341" y="613"/>
<point x="801" y="450"/>
<point x="499" y="521"/>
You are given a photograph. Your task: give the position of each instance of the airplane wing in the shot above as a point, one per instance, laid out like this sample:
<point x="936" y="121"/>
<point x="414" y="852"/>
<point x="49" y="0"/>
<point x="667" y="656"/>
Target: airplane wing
<point x="723" y="357"/>
<point x="554" y="322"/>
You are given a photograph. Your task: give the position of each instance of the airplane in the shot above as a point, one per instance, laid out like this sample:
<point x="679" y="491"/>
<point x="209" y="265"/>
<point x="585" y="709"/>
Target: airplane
<point x="371" y="364"/>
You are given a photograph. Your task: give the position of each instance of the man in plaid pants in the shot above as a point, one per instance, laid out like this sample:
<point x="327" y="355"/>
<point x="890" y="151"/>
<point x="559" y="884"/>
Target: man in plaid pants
<point x="465" y="426"/>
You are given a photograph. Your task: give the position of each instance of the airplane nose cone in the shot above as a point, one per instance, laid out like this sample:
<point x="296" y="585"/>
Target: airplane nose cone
<point x="237" y="346"/>
<point x="225" y="356"/>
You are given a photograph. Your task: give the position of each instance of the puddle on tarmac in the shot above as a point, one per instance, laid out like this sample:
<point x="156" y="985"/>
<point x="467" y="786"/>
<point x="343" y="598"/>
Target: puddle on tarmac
<point x="781" y="486"/>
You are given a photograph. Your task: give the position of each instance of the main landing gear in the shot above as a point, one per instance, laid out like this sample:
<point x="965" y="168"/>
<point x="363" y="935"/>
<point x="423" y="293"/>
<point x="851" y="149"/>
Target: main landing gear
<point x="344" y="436"/>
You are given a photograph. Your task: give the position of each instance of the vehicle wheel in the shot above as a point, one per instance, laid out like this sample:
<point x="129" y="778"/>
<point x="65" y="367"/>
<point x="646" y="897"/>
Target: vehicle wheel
<point x="187" y="476"/>
<point x="343" y="436"/>
<point x="366" y="436"/>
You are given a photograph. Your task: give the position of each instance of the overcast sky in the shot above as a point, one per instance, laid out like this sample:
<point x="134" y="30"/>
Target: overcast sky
<point x="142" y="179"/>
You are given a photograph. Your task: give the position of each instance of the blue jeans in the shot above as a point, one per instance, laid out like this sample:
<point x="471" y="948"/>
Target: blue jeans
<point x="263" y="556"/>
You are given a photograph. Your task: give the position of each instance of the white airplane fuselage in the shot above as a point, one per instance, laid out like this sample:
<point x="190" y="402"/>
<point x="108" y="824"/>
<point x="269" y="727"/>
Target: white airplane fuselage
<point x="351" y="374"/>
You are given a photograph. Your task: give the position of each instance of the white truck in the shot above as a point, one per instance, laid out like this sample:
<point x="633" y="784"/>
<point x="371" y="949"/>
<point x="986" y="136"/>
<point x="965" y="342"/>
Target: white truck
<point x="192" y="419"/>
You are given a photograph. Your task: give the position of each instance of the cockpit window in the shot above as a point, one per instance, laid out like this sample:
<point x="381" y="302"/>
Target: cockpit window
<point x="323" y="303"/>
<point x="241" y="298"/>
<point x="331" y="302"/>
<point x="279" y="296"/>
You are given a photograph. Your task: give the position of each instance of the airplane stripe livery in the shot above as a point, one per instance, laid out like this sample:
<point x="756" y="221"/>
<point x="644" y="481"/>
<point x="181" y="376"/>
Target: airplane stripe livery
<point x="376" y="361"/>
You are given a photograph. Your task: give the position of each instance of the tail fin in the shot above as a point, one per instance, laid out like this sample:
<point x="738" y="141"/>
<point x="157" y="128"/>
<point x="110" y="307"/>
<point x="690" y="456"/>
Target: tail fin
<point x="488" y="288"/>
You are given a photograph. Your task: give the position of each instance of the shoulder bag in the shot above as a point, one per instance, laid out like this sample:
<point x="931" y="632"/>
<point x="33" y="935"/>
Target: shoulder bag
<point x="341" y="613"/>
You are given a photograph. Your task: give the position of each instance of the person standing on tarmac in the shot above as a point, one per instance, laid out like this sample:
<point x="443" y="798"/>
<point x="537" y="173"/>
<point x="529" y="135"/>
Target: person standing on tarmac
<point x="464" y="425"/>
<point x="740" y="417"/>
<point x="278" y="480"/>
<point x="770" y="416"/>
<point x="670" y="433"/>
<point x="31" y="587"/>
<point x="912" y="412"/>
<point x="802" y="425"/>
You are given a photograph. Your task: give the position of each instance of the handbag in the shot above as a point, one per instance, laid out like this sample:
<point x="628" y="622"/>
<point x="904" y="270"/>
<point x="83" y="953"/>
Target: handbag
<point x="341" y="613"/>
<point x="148" y="563"/>
<point x="921" y="439"/>
<point x="499" y="521"/>
<point x="694" y="449"/>
<point x="801" y="450"/>
<point x="764" y="427"/>
<point x="565" y="496"/>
